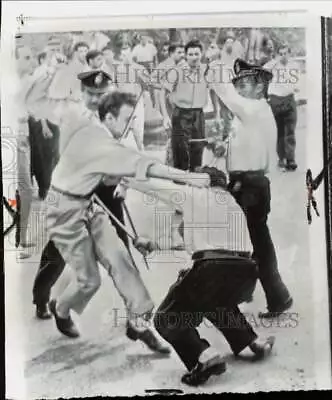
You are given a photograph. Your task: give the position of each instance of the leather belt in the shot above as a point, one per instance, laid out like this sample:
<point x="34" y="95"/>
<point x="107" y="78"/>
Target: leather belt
<point x="72" y="195"/>
<point x="218" y="254"/>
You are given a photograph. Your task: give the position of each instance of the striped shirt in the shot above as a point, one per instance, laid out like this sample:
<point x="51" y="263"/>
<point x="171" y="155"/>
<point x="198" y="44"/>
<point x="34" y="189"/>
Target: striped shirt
<point x="187" y="86"/>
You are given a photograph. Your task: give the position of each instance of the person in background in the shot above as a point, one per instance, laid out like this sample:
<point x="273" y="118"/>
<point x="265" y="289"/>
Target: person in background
<point x="65" y="85"/>
<point x="230" y="50"/>
<point x="213" y="52"/>
<point x="215" y="62"/>
<point x="187" y="90"/>
<point x="108" y="57"/>
<point x="282" y="91"/>
<point x="267" y="51"/>
<point x="164" y="52"/>
<point x="97" y="40"/>
<point x="94" y="59"/>
<point x="25" y="64"/>
<point x="175" y="57"/>
<point x="130" y="77"/>
<point x="43" y="129"/>
<point x="145" y="53"/>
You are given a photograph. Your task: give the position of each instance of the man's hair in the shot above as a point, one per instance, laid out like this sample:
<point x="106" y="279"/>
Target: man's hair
<point x="112" y="102"/>
<point x="173" y="46"/>
<point x="167" y="43"/>
<point x="193" y="44"/>
<point x="80" y="44"/>
<point x="92" y="54"/>
<point x="41" y="56"/>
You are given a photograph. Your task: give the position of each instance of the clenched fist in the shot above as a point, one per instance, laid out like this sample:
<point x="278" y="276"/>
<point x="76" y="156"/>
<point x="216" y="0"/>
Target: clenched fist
<point x="145" y="245"/>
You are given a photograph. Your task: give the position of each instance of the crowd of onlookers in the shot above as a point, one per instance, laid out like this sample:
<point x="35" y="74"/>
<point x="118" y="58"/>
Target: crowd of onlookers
<point x="143" y="49"/>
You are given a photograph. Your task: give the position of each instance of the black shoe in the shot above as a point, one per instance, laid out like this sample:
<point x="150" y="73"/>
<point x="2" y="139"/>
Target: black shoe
<point x="64" y="325"/>
<point x="282" y="165"/>
<point x="291" y="165"/>
<point x="202" y="371"/>
<point x="276" y="312"/>
<point x="42" y="311"/>
<point x="263" y="350"/>
<point x="148" y="338"/>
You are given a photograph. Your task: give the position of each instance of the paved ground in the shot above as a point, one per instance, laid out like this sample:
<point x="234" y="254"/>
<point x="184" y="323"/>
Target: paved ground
<point x="104" y="362"/>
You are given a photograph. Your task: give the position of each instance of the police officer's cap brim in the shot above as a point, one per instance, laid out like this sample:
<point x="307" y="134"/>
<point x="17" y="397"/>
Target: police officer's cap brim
<point x="243" y="69"/>
<point x="95" y="90"/>
<point x="87" y="74"/>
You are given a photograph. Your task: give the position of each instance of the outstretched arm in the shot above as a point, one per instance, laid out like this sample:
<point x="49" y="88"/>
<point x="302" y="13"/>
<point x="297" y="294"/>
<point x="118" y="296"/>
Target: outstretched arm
<point x="116" y="160"/>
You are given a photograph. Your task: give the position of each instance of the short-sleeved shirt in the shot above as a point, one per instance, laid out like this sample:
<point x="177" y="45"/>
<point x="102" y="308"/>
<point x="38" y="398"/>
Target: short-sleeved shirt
<point x="144" y="53"/>
<point x="285" y="79"/>
<point x="159" y="73"/>
<point x="254" y="134"/>
<point x="65" y="84"/>
<point x="37" y="98"/>
<point x="188" y="87"/>
<point x="129" y="76"/>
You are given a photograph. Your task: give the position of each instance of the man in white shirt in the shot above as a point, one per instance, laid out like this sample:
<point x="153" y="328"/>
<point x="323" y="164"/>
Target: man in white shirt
<point x="65" y="86"/>
<point x="145" y="53"/>
<point x="222" y="275"/>
<point x="282" y="99"/>
<point x="43" y="129"/>
<point x="75" y="179"/>
<point x="25" y="64"/>
<point x="130" y="77"/>
<point x="175" y="57"/>
<point x="76" y="116"/>
<point x="231" y="50"/>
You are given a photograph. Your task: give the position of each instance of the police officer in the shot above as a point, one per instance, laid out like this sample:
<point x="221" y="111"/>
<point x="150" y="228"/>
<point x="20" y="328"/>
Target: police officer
<point x="249" y="153"/>
<point x="76" y="116"/>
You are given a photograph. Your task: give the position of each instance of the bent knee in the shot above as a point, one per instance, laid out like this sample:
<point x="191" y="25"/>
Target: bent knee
<point x="89" y="285"/>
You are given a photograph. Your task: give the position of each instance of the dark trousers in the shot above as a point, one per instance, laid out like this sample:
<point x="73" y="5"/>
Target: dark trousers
<point x="285" y="114"/>
<point x="44" y="154"/>
<point x="52" y="264"/>
<point x="187" y="124"/>
<point x="254" y="197"/>
<point x="205" y="291"/>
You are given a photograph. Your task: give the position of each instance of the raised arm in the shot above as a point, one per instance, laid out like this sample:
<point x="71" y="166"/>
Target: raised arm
<point x="230" y="97"/>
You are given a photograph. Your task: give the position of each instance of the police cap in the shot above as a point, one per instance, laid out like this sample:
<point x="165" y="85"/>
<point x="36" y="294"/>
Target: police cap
<point x="243" y="69"/>
<point x="95" y="81"/>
